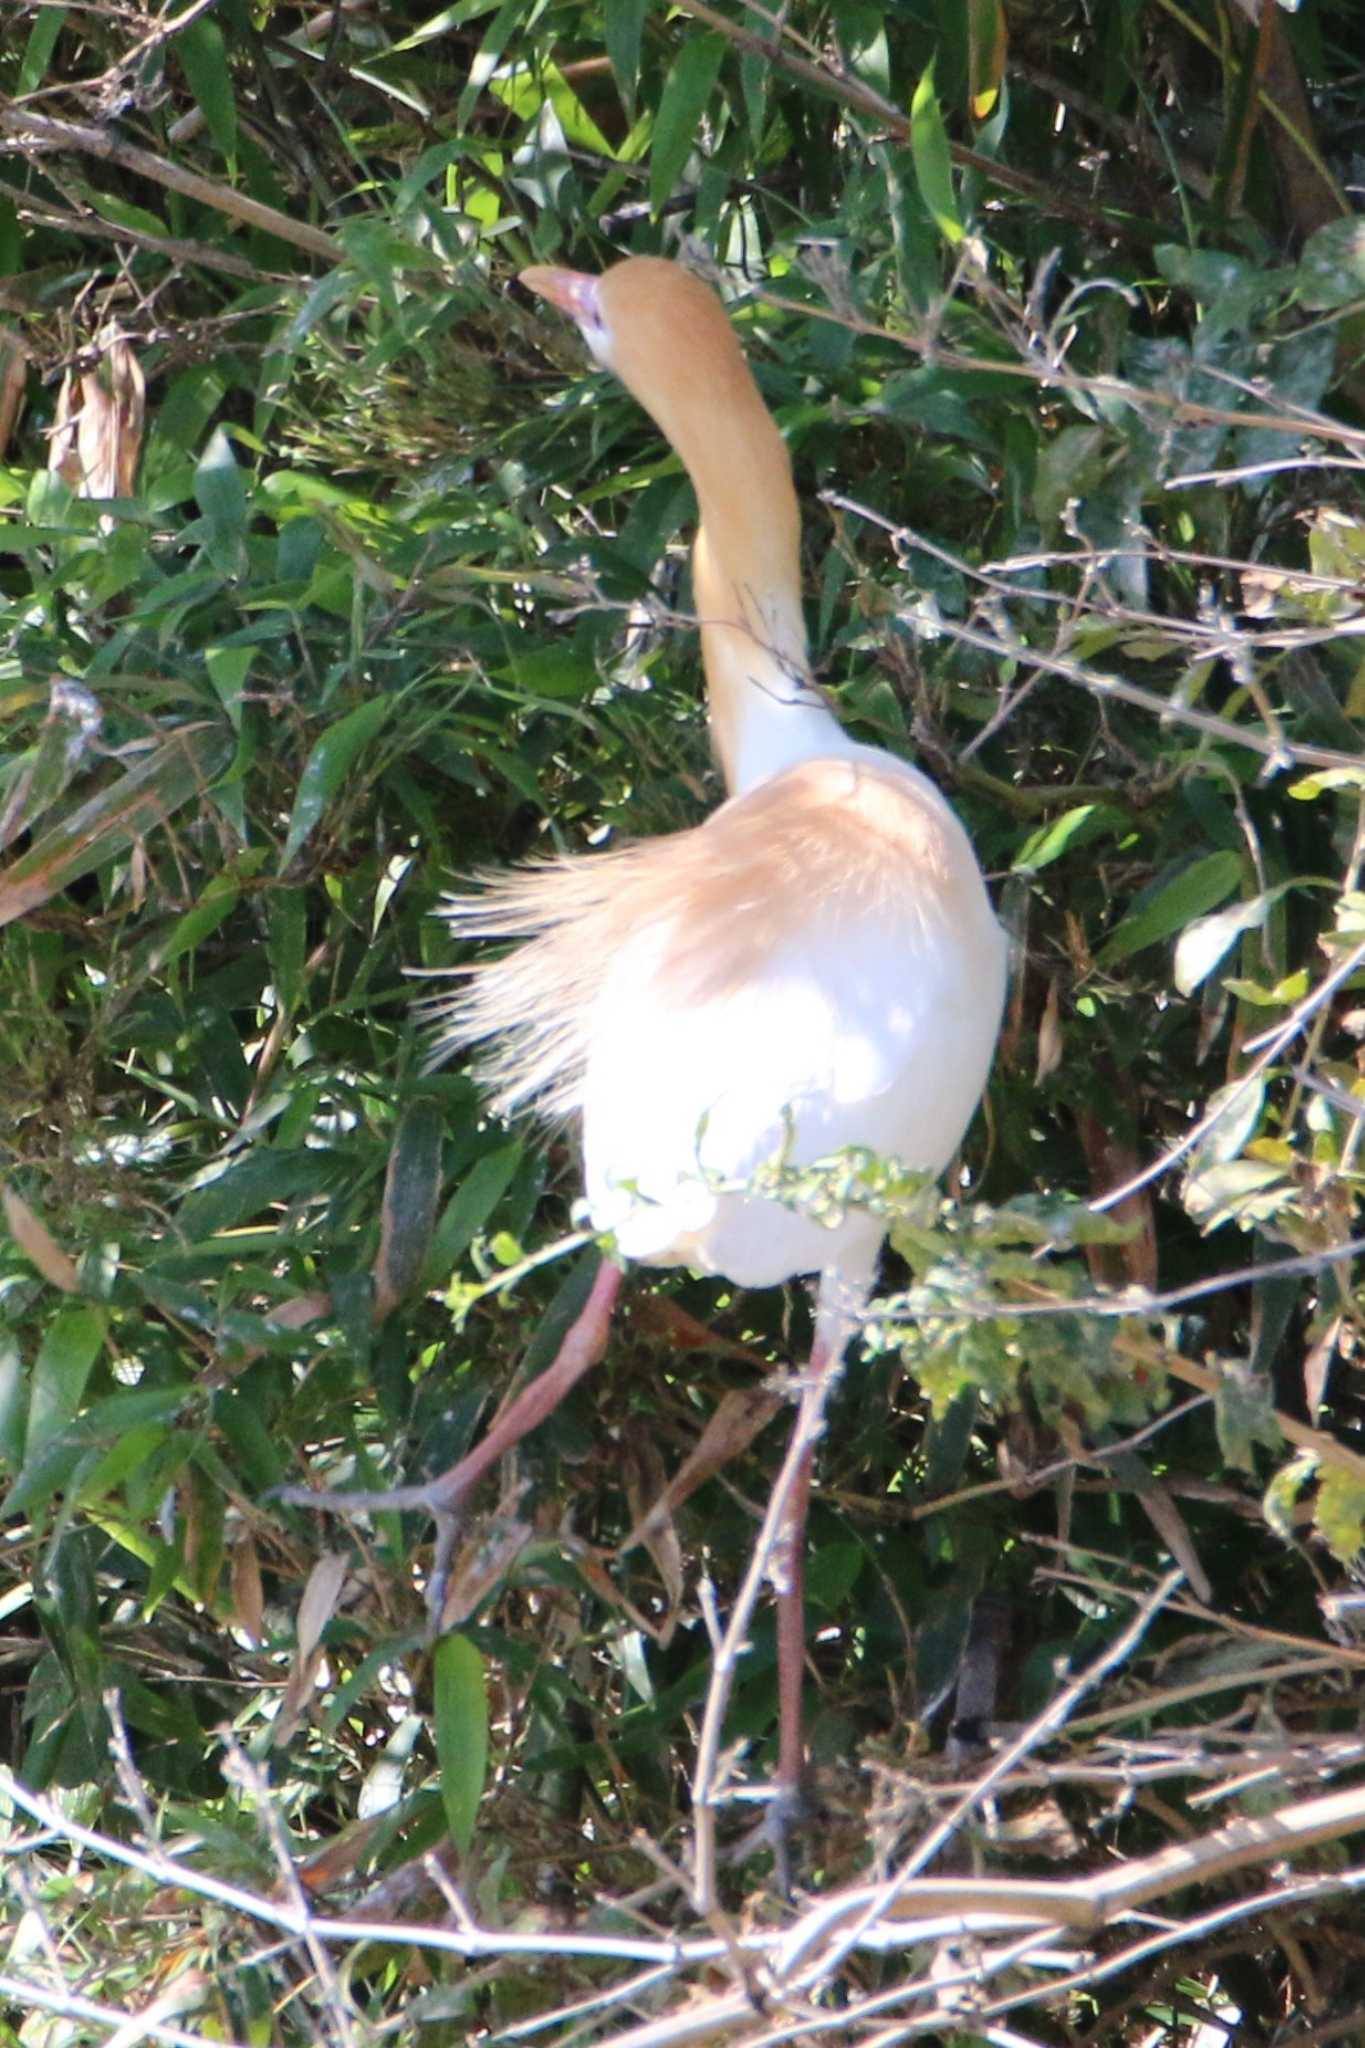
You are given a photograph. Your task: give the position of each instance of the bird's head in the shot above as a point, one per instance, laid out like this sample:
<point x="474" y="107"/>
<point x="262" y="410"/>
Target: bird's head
<point x="665" y="334"/>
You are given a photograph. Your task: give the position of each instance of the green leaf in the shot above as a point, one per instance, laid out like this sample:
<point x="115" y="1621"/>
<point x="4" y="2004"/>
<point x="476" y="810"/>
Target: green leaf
<point x="228" y="669"/>
<point x="623" y="22"/>
<point x="1244" y="1417"/>
<point x="512" y="15"/>
<point x="221" y="496"/>
<point x="42" y="40"/>
<point x="473" y="1202"/>
<point x="184" y="766"/>
<point x="217" y="900"/>
<point x="60" y="1372"/>
<point x="1069" y="463"/>
<point x="460" y="1715"/>
<point x="682" y="102"/>
<point x="933" y="160"/>
<point x="1235" y="1112"/>
<point x="287" y="942"/>
<point x="1202" y="944"/>
<point x="328" y="767"/>
<point x="411" y="1187"/>
<point x="249" y="1187"/>
<point x="1196" y="889"/>
<point x="65" y="743"/>
<point x="986" y="43"/>
<point x="1064" y="834"/>
<point x="12" y="1404"/>
<point x="204" y="60"/>
<point x="1332" y="268"/>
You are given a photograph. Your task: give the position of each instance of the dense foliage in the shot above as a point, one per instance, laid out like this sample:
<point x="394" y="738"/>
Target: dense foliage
<point x="331" y="573"/>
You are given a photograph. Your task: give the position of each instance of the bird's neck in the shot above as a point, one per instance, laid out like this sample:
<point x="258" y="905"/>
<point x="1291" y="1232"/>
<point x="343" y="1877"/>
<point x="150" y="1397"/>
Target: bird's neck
<point x="765" y="712"/>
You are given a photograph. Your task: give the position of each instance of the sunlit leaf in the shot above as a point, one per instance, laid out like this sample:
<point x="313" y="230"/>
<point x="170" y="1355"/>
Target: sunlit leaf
<point x="933" y="159"/>
<point x="1188" y="895"/>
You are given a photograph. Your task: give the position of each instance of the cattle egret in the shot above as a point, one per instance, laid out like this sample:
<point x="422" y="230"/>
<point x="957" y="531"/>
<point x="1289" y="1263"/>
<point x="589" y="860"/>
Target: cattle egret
<point x="814" y="968"/>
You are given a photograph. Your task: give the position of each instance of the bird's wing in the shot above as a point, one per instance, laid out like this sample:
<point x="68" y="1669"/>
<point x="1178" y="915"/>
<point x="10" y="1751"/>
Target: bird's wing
<point x="812" y="1005"/>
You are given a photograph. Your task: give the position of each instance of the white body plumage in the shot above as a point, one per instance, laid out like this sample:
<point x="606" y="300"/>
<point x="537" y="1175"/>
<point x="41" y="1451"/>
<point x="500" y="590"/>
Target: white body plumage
<point x="815" y="967"/>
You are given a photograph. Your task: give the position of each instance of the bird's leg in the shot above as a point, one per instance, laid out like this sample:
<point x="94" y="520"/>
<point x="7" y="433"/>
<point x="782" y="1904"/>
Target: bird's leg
<point x="788" y="1573"/>
<point x="584" y="1342"/>
<point x="843" y="1291"/>
<point x="777" y="1548"/>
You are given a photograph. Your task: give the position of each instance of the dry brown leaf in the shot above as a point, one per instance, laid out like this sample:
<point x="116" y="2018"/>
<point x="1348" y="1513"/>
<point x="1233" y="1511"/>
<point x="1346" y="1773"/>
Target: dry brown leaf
<point x="248" y="1595"/>
<point x="316" y="1609"/>
<point x="299" y="1311"/>
<point x="37" y="1243"/>
<point x="645" y="1483"/>
<point x="97" y="430"/>
<point x="13" y="378"/>
<point x="319" y="1601"/>
<point x="737" y="1421"/>
<point x="658" y="1315"/>
<point x="1318" y="1364"/>
<point x="1049" y="1035"/>
<point x="483" y="1564"/>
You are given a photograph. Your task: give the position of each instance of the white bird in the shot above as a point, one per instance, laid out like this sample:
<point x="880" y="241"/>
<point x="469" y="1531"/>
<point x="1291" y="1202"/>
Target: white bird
<point x="815" y="967"/>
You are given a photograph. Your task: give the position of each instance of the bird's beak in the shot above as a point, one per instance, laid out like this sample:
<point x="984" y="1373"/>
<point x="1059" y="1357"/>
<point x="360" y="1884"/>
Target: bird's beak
<point x="573" y="291"/>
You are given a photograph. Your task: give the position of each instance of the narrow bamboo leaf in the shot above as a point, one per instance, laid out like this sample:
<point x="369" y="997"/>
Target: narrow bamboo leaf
<point x="933" y="159"/>
<point x="219" y="896"/>
<point x="60" y="1372"/>
<point x="42" y="40"/>
<point x="1064" y="834"/>
<point x="221" y="495"/>
<point x="473" y="1202"/>
<point x="12" y="1405"/>
<point x="985" y="55"/>
<point x="511" y="15"/>
<point x="228" y="669"/>
<point x="249" y="1187"/>
<point x="1199" y="888"/>
<point x="327" y="768"/>
<point x="411" y="1187"/>
<point x="460" y="1703"/>
<point x="623" y="23"/>
<point x="203" y="58"/>
<point x="686" y="91"/>
<point x="64" y="747"/>
<point x="287" y="941"/>
<point x="181" y="768"/>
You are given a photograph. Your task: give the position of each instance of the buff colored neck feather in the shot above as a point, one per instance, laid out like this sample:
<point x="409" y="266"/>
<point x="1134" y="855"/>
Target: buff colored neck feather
<point x="673" y="347"/>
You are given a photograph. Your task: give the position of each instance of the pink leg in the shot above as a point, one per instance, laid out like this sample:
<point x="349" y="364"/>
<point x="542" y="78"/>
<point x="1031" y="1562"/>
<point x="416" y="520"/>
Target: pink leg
<point x="791" y="1638"/>
<point x="842" y="1294"/>
<point x="583" y="1345"/>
